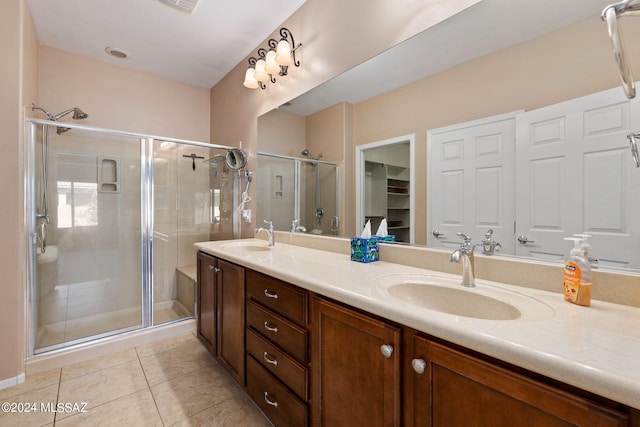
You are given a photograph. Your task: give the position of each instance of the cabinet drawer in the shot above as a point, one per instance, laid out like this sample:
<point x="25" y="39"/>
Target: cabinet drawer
<point x="286" y="334"/>
<point x="281" y="297"/>
<point x="289" y="371"/>
<point x="281" y="406"/>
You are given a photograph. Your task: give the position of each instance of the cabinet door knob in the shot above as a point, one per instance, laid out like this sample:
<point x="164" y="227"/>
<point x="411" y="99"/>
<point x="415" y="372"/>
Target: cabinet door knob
<point x="270" y="327"/>
<point x="386" y="350"/>
<point x="214" y="268"/>
<point x="270" y="295"/>
<point x="418" y="365"/>
<point x="269" y="401"/>
<point x="270" y="359"/>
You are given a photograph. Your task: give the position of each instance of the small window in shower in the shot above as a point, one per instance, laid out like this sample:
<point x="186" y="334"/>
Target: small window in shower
<point x="77" y="204"/>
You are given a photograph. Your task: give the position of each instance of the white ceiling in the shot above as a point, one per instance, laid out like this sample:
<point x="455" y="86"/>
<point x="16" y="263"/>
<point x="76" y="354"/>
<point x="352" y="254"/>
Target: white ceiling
<point x="197" y="49"/>
<point x="200" y="49"/>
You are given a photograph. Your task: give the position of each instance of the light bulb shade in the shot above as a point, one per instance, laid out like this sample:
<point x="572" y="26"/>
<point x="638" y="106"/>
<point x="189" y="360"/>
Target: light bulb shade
<point x="250" y="79"/>
<point x="271" y="66"/>
<point x="260" y="72"/>
<point x="283" y="53"/>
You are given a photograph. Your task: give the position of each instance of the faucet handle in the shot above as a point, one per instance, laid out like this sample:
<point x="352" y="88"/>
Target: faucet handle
<point x="269" y="223"/>
<point x="464" y="237"/>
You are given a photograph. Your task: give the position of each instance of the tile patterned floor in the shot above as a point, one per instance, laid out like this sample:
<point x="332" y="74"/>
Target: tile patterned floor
<point x="174" y="382"/>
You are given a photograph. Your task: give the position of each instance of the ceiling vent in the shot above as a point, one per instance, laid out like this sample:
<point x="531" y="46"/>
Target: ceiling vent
<point x="185" y="6"/>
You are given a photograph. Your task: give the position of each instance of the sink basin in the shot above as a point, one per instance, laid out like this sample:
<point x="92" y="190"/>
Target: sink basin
<point x="446" y="295"/>
<point x="454" y="301"/>
<point x="247" y="247"/>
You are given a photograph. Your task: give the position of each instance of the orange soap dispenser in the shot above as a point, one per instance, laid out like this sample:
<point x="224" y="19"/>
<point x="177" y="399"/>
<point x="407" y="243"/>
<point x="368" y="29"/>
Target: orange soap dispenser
<point x="577" y="275"/>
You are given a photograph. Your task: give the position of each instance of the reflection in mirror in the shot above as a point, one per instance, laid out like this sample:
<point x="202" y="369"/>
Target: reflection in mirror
<point x="236" y="159"/>
<point x="384" y="182"/>
<point x="553" y="63"/>
<point x="300" y="195"/>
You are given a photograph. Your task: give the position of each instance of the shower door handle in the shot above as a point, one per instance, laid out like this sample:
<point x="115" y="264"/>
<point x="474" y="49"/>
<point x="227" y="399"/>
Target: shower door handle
<point x="42" y="237"/>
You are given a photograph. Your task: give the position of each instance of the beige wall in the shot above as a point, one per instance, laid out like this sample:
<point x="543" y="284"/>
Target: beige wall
<point x="564" y="64"/>
<point x="335" y="36"/>
<point x="122" y="99"/>
<point x="17" y="84"/>
<point x="114" y="98"/>
<point x="282" y="133"/>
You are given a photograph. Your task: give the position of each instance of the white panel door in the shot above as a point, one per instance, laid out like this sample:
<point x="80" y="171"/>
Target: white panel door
<point x="470" y="182"/>
<point x="574" y="174"/>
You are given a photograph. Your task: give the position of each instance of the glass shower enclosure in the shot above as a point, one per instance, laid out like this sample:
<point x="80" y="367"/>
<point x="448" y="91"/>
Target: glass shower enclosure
<point x="112" y="218"/>
<point x="301" y="190"/>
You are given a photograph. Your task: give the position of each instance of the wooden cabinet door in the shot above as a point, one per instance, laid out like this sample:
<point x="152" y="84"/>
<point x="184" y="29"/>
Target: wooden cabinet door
<point x="206" y="289"/>
<point x="231" y="350"/>
<point x="353" y="383"/>
<point x="457" y="389"/>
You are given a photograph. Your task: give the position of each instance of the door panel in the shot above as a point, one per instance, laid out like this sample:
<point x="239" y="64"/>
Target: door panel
<point x="470" y="182"/>
<point x="574" y="175"/>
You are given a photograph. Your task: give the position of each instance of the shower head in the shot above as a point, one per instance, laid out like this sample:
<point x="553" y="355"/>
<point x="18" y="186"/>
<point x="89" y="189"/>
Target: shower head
<point x="78" y="114"/>
<point x="308" y="154"/>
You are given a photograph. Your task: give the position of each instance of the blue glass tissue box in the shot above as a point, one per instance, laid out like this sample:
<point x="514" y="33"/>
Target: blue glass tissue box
<point x="364" y="249"/>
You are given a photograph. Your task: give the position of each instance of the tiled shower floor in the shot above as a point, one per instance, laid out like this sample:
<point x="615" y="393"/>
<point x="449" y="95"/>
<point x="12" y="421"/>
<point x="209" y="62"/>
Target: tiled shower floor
<point x="174" y="382"/>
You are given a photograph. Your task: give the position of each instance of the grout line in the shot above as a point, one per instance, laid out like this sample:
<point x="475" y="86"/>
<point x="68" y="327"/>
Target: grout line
<point x="149" y="387"/>
<point x="55" y="415"/>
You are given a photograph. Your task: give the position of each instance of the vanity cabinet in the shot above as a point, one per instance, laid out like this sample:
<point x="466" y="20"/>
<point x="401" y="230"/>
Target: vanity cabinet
<point x="453" y="388"/>
<point x="307" y="360"/>
<point x="277" y="349"/>
<point x="231" y="318"/>
<point x="356" y="367"/>
<point x="221" y="305"/>
<point x="206" y="300"/>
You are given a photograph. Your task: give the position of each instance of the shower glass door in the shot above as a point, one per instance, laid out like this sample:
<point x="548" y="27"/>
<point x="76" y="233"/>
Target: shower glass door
<point x="319" y="197"/>
<point x="303" y="190"/>
<point x="87" y="245"/>
<point x="192" y="202"/>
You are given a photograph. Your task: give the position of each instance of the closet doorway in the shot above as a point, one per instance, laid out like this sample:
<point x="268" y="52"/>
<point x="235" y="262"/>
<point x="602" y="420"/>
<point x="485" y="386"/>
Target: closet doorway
<point x="385" y="181"/>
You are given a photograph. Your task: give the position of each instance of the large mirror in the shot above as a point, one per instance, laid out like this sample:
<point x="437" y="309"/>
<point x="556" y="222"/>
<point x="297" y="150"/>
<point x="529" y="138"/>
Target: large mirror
<point x="492" y="59"/>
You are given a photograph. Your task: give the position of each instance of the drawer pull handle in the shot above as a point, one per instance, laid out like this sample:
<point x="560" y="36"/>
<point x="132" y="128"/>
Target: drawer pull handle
<point x="386" y="350"/>
<point x="270" y="402"/>
<point x="270" y="359"/>
<point x="419" y="365"/>
<point x="270" y="295"/>
<point x="270" y="328"/>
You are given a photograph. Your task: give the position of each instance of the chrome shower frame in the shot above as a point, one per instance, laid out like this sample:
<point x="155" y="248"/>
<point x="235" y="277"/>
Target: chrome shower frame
<point x="297" y="180"/>
<point x="146" y="222"/>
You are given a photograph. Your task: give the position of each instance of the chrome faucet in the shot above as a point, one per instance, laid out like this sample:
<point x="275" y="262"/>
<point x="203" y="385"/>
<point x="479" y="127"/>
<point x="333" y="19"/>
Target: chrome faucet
<point x="488" y="244"/>
<point x="268" y="230"/>
<point x="296" y="227"/>
<point x="465" y="253"/>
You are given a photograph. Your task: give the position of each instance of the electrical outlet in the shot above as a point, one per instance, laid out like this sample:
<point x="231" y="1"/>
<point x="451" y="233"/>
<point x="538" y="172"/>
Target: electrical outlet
<point x="246" y="215"/>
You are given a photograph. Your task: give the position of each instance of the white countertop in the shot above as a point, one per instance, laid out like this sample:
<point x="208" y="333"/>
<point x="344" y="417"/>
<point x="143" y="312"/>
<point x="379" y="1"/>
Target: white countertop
<point x="594" y="348"/>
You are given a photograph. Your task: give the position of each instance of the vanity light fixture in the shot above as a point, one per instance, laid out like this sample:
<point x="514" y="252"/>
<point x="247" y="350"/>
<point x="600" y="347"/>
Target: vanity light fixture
<point x="276" y="60"/>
